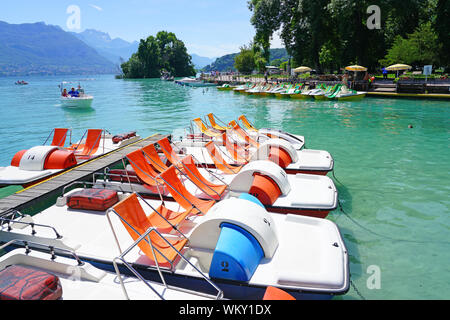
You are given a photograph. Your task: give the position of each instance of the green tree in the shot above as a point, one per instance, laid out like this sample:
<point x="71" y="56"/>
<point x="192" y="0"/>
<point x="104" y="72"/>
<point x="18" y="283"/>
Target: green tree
<point x="419" y="48"/>
<point x="244" y="62"/>
<point x="155" y="54"/>
<point x="442" y="27"/>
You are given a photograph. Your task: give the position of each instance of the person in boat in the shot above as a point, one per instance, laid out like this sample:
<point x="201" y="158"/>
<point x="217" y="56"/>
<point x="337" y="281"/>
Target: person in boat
<point x="64" y="93"/>
<point x="74" y="93"/>
<point x="80" y="90"/>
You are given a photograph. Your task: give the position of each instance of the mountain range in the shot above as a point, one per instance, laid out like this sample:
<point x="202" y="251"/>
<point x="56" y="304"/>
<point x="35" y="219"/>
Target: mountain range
<point x="114" y="50"/>
<point x="118" y="49"/>
<point x="37" y="48"/>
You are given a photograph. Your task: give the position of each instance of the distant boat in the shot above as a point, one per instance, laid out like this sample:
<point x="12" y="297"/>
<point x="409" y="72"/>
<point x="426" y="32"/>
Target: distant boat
<point x="194" y="82"/>
<point x="22" y="83"/>
<point x="81" y="100"/>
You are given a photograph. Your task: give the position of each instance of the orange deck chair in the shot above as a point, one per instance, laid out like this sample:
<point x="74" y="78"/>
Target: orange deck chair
<point x="93" y="138"/>
<point x="243" y="134"/>
<point x="213" y="190"/>
<point x="168" y="151"/>
<point x="240" y="154"/>
<point x="143" y="169"/>
<point x="59" y="137"/>
<point x="214" y="124"/>
<point x="218" y="160"/>
<point x="204" y="129"/>
<point x="137" y="223"/>
<point x="181" y="195"/>
<point x="152" y="154"/>
<point x="247" y="123"/>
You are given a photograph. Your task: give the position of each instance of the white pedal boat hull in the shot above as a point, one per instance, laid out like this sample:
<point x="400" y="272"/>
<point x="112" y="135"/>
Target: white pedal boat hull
<point x="310" y="260"/>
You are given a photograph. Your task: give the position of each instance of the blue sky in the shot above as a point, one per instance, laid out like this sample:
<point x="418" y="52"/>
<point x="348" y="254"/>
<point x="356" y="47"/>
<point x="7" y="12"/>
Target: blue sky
<point x="210" y="28"/>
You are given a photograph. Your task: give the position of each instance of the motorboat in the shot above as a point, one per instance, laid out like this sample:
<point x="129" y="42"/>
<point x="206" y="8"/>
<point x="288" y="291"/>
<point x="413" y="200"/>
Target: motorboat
<point x="165" y="76"/>
<point x="77" y="99"/>
<point x="38" y="163"/>
<point x="194" y="82"/>
<point x="236" y="243"/>
<point x="21" y="83"/>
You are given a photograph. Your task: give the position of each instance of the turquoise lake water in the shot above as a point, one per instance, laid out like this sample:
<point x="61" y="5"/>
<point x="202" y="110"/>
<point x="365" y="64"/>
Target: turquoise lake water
<point x="393" y="181"/>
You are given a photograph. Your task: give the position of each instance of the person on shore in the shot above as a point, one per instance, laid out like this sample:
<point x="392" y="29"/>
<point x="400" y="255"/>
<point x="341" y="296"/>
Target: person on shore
<point x="345" y="79"/>
<point x="385" y="73"/>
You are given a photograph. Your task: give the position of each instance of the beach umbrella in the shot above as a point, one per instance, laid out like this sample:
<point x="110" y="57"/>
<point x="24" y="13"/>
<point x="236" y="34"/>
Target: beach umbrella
<point x="355" y="68"/>
<point x="302" y="69"/>
<point x="399" y="67"/>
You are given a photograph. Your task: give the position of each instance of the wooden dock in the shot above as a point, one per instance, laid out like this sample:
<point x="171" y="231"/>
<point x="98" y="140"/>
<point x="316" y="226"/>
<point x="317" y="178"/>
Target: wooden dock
<point x="409" y="95"/>
<point x="36" y="197"/>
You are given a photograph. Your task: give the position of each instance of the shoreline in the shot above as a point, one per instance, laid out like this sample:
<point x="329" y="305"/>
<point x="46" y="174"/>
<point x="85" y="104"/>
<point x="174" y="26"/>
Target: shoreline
<point x="379" y="89"/>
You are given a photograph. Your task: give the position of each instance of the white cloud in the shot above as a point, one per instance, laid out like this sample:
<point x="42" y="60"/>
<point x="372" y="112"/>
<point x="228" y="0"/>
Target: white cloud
<point x="96" y="7"/>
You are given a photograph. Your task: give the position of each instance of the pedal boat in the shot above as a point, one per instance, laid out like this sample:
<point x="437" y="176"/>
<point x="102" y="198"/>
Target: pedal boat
<point x="279" y="150"/>
<point x="38" y="163"/>
<point x="59" y="274"/>
<point x="301" y="194"/>
<point x="237" y="244"/>
<point x="214" y="130"/>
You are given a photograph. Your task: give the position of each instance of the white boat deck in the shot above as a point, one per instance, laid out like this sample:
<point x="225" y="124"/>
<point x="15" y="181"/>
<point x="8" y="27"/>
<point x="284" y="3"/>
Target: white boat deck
<point x="305" y="259"/>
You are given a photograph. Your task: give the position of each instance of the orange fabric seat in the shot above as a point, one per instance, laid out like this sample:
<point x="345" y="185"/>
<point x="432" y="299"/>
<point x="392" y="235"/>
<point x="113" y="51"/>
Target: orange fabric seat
<point x="247" y="123"/>
<point x="219" y="162"/>
<point x="239" y="153"/>
<point x="204" y="129"/>
<point x="131" y="211"/>
<point x="142" y="168"/>
<point x="243" y="134"/>
<point x="152" y="154"/>
<point x="214" y="124"/>
<point x="213" y="190"/>
<point x="59" y="137"/>
<point x="91" y="145"/>
<point x="181" y="195"/>
<point x="168" y="151"/>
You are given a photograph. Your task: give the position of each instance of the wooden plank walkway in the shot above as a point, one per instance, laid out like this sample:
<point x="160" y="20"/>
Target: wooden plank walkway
<point x="40" y="194"/>
<point x="409" y="95"/>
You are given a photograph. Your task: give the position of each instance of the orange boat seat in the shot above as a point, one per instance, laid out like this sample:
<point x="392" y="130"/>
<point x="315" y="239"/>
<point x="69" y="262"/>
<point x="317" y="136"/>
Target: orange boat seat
<point x="131" y="211"/>
<point x="213" y="190"/>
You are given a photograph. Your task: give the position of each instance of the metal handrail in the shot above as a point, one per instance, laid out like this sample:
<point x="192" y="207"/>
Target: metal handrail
<point x="147" y="235"/>
<point x="9" y="221"/>
<point x="84" y="183"/>
<point x="52" y="249"/>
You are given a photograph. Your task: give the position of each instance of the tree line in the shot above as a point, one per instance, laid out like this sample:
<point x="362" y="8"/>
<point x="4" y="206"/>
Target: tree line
<point x="155" y="55"/>
<point x="330" y="34"/>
